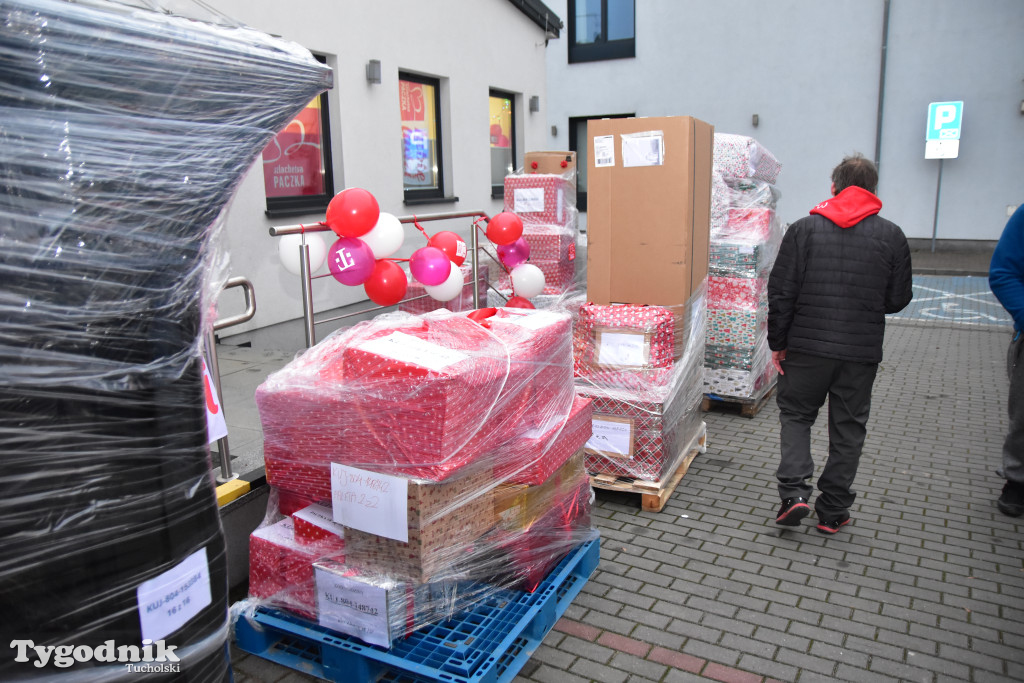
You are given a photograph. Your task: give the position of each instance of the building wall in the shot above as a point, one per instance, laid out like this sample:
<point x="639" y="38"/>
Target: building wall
<point x="471" y="46"/>
<point x="811" y="71"/>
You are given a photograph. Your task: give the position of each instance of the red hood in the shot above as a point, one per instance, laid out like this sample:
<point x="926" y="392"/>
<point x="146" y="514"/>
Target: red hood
<point x="849" y="207"/>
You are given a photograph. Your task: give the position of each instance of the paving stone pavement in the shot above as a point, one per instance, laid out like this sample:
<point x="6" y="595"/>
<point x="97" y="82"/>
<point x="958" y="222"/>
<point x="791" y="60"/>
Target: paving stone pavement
<point x="925" y="585"/>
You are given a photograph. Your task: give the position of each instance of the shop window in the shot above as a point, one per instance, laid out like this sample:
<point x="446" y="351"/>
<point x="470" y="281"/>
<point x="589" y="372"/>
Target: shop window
<point x="297" y="174"/>
<point x="420" y="101"/>
<point x="578" y="143"/>
<point x="502" y="138"/>
<point x="601" y="29"/>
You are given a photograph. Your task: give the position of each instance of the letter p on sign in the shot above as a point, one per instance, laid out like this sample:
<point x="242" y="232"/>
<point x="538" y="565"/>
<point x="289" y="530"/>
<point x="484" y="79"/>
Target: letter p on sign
<point x="944" y="120"/>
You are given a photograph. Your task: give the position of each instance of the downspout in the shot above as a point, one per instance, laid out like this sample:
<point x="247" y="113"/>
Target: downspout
<point x="881" y="87"/>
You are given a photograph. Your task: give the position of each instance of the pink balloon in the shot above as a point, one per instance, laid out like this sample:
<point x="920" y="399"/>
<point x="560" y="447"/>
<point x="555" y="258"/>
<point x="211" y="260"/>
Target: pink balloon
<point x="430" y="266"/>
<point x="351" y="261"/>
<point x="515" y="253"/>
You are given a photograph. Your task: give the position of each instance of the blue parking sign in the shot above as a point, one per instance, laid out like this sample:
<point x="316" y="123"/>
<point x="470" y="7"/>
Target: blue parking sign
<point x="944" y="120"/>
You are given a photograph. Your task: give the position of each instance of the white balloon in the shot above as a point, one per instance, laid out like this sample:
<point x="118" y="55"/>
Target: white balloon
<point x="527" y="280"/>
<point x="449" y="289"/>
<point x="386" y="237"/>
<point x="288" y="250"/>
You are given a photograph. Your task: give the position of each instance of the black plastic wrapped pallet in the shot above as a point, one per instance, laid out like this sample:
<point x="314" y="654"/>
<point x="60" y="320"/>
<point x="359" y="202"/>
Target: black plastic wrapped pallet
<point x="124" y="132"/>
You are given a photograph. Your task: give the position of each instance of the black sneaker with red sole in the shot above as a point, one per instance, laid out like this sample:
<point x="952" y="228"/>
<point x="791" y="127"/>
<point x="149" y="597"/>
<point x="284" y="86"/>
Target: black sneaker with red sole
<point x="833" y="525"/>
<point x="792" y="511"/>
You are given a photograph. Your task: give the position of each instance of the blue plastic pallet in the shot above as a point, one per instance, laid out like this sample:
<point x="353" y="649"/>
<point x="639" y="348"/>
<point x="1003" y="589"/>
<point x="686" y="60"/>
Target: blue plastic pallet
<point x="489" y="643"/>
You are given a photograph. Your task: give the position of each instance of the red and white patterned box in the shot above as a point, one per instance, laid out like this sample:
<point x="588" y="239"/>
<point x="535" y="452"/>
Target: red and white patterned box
<point x="751" y="224"/>
<point x="416" y="397"/>
<point x="314" y="524"/>
<point x="737" y="293"/>
<point x="541" y="198"/>
<point x="534" y="457"/>
<point x="550" y="242"/>
<point x="609" y="340"/>
<point x="539" y="343"/>
<point x="281" y="569"/>
<point x="445" y="519"/>
<point x="640" y="435"/>
<point x="417" y="300"/>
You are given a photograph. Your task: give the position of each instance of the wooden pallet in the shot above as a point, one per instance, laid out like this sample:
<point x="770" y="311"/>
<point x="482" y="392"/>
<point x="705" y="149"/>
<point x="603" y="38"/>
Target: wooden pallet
<point x="748" y="407"/>
<point x="654" y="494"/>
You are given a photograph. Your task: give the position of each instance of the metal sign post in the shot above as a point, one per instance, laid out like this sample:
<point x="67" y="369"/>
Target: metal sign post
<point x="942" y="141"/>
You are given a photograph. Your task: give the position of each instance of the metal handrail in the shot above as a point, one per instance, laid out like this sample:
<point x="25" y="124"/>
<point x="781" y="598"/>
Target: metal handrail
<point x="307" y="280"/>
<point x="214" y="366"/>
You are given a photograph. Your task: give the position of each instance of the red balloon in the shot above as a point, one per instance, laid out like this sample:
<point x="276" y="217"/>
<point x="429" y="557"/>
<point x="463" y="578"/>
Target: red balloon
<point x="505" y="228"/>
<point x="519" y="302"/>
<point x="352" y="212"/>
<point x="387" y="285"/>
<point x="451" y="244"/>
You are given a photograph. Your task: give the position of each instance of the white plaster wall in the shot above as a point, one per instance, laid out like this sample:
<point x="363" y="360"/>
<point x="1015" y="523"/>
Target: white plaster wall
<point x="471" y="46"/>
<point x="810" y="70"/>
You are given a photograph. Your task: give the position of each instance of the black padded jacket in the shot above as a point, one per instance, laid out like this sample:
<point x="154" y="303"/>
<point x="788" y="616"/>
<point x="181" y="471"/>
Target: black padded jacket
<point x="831" y="287"/>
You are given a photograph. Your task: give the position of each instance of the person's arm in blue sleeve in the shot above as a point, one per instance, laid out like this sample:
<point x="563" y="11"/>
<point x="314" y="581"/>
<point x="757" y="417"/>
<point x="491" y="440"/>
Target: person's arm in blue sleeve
<point x="1006" y="272"/>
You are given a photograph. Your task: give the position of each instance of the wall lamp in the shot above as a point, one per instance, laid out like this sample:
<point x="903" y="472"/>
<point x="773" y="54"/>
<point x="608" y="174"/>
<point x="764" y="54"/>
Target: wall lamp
<point x="373" y="71"/>
<point x="534" y="104"/>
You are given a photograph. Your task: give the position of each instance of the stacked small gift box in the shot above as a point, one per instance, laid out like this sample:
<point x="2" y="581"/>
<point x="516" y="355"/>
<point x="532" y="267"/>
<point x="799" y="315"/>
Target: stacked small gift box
<point x="745" y="237"/>
<point x="546" y="204"/>
<point x="420" y="464"/>
<point x="641" y="366"/>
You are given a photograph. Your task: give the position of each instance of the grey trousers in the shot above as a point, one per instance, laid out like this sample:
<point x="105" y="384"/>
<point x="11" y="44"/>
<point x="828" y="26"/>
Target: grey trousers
<point x="808" y="381"/>
<point x="1013" y="446"/>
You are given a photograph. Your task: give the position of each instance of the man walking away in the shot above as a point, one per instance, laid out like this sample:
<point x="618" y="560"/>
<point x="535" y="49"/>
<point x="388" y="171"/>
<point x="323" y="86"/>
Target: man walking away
<point x="1006" y="278"/>
<point x="838" y="273"/>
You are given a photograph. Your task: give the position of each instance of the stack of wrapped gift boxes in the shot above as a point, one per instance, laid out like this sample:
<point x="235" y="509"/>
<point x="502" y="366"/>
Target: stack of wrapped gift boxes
<point x="639" y="343"/>
<point x="420" y="464"/>
<point x="543" y="195"/>
<point x="745" y="238"/>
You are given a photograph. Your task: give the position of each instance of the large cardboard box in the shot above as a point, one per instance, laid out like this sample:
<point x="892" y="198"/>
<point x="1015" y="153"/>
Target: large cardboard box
<point x="648" y="209"/>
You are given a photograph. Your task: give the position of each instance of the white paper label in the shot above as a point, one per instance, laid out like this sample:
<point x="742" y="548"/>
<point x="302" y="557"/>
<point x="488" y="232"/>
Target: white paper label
<point x="537" y="320"/>
<point x="559" y="208"/>
<point x="413" y="350"/>
<point x="375" y="503"/>
<point x="528" y="200"/>
<point x="167" y="602"/>
<point x="622" y="349"/>
<point x="216" y="425"/>
<point x="746" y="250"/>
<point x="320" y="516"/>
<point x="353" y="607"/>
<point x="645" y="149"/>
<point x="611" y="437"/>
<point x="604" y="151"/>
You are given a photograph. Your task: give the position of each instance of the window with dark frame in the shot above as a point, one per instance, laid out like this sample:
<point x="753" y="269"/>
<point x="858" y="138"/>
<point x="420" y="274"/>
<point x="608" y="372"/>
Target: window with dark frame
<point x="297" y="171"/>
<point x="422" y="168"/>
<point x="601" y="29"/>
<point x="501" y="133"/>
<point x="578" y="142"/>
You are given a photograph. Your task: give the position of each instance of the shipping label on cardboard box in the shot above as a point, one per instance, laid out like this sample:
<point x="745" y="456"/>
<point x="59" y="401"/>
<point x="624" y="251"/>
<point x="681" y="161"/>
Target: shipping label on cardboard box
<point x="371" y="502"/>
<point x="604" y="151"/>
<point x="611" y="437"/>
<point x="643" y="149"/>
<point x="354" y="607"/>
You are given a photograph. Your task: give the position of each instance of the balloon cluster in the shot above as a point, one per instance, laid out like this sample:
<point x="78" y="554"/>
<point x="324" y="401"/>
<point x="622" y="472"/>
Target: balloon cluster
<point x="367" y="237"/>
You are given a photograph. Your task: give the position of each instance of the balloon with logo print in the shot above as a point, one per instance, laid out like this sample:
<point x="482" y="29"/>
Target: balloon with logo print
<point x="451" y="244"/>
<point x="351" y="261"/>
